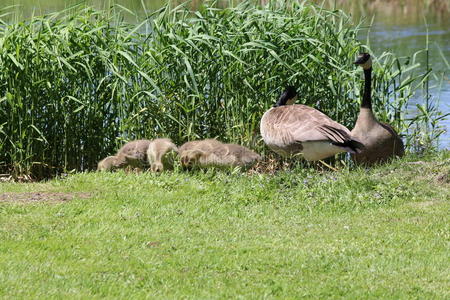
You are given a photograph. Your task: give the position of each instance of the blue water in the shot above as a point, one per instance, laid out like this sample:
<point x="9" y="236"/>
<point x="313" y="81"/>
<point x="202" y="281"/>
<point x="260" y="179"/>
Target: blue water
<point x="395" y="36"/>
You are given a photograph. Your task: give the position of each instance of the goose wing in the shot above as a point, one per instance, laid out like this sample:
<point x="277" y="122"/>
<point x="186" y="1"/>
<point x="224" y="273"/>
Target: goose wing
<point x="291" y="124"/>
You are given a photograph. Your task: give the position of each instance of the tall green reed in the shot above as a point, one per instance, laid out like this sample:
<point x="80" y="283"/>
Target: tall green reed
<point x="62" y="81"/>
<point x="77" y="84"/>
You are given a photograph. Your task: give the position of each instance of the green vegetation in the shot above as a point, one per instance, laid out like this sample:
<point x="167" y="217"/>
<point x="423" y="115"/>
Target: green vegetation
<point x="381" y="233"/>
<point x="75" y="85"/>
<point x="413" y="8"/>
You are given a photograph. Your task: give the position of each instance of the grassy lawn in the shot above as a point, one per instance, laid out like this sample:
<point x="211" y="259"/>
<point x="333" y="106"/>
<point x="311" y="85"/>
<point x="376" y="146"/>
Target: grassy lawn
<point x="355" y="234"/>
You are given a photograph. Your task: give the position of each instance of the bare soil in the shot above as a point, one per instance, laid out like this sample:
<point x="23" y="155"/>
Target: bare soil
<point x="443" y="178"/>
<point x="42" y="197"/>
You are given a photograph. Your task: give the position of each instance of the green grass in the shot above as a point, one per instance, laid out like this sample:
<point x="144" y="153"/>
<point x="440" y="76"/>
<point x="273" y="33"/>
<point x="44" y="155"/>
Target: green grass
<point x="381" y="233"/>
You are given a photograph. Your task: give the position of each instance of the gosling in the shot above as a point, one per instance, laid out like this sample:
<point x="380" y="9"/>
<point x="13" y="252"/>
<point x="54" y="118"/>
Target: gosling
<point x="107" y="164"/>
<point x="218" y="155"/>
<point x="133" y="154"/>
<point x="156" y="154"/>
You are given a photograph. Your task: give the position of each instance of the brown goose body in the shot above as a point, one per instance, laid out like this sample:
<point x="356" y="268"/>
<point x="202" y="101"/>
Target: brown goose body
<point x="381" y="141"/>
<point x="293" y="129"/>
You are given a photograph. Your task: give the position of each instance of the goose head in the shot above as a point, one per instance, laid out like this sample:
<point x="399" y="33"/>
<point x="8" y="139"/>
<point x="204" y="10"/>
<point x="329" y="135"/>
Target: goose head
<point x="364" y="60"/>
<point x="288" y="97"/>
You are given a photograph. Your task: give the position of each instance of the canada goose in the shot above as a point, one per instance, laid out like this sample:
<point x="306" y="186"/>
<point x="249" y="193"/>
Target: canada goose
<point x="289" y="128"/>
<point x="107" y="164"/>
<point x="380" y="140"/>
<point x="133" y="154"/>
<point x="221" y="155"/>
<point x="156" y="152"/>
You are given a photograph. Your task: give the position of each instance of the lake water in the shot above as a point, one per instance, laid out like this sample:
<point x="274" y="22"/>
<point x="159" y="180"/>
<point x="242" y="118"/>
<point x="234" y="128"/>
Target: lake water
<point x="404" y="31"/>
<point x="399" y="29"/>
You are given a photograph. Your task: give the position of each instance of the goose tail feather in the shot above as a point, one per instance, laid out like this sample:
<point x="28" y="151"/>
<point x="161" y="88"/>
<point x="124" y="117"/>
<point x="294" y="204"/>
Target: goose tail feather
<point x="351" y="146"/>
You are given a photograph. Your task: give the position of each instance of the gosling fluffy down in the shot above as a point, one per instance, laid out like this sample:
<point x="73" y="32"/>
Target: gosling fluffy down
<point x="107" y="164"/>
<point x="140" y="153"/>
<point x="156" y="153"/>
<point x="133" y="154"/>
<point x="204" y="145"/>
<point x="212" y="153"/>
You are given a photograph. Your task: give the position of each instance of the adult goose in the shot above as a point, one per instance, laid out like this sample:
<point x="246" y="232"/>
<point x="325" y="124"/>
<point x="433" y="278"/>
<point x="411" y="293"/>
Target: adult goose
<point x="289" y="128"/>
<point x="380" y="140"/>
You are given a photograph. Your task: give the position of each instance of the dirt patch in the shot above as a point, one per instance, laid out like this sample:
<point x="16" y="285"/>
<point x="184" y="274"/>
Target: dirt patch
<point x="443" y="178"/>
<point x="153" y="244"/>
<point x="426" y="204"/>
<point x="416" y="163"/>
<point x="436" y="172"/>
<point x="42" y="197"/>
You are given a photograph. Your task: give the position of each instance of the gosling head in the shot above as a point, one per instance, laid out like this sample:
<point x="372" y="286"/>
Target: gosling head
<point x="107" y="164"/>
<point x="364" y="60"/>
<point x="190" y="158"/>
<point x="288" y="97"/>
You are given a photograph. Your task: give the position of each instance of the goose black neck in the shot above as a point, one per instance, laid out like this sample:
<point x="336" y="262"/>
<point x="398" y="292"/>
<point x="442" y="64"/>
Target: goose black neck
<point x="289" y="93"/>
<point x="282" y="101"/>
<point x="367" y="100"/>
